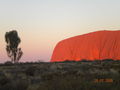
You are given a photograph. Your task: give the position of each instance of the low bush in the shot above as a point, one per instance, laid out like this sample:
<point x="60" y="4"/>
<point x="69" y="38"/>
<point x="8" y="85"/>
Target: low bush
<point x="8" y="63"/>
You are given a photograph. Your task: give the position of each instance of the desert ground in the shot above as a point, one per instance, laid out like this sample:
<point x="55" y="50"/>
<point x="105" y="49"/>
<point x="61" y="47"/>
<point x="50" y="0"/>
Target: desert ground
<point x="67" y="75"/>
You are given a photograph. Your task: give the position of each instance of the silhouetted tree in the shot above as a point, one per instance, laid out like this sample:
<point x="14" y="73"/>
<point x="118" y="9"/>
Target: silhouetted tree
<point x="12" y="39"/>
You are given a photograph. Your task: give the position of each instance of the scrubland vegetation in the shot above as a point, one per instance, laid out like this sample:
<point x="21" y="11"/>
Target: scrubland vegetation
<point x="68" y="75"/>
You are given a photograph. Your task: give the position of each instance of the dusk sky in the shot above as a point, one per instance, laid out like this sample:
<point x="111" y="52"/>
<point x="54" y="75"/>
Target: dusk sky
<point x="41" y="24"/>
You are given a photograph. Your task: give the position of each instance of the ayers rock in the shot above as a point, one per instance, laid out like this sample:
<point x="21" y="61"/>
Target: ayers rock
<point x="97" y="45"/>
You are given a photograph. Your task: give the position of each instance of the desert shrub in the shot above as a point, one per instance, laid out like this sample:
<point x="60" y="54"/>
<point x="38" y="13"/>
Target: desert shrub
<point x="30" y="71"/>
<point x="20" y="85"/>
<point x="3" y="79"/>
<point x="69" y="61"/>
<point x="15" y="85"/>
<point x="33" y="87"/>
<point x="69" y="82"/>
<point x="10" y="84"/>
<point x="108" y="60"/>
<point x="8" y="63"/>
<point x="84" y="60"/>
<point x="73" y="82"/>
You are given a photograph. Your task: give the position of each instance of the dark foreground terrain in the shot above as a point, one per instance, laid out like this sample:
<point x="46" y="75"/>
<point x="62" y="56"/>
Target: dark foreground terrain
<point x="82" y="75"/>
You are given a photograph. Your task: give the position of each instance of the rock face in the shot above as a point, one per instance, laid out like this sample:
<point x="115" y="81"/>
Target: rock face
<point x="92" y="46"/>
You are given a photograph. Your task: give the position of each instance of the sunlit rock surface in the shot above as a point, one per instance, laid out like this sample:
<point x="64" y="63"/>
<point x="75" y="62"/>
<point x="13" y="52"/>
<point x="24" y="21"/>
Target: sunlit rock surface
<point x="92" y="46"/>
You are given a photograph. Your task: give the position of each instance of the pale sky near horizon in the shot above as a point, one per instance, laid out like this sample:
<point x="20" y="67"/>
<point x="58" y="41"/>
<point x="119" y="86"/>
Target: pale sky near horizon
<point x="41" y="24"/>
